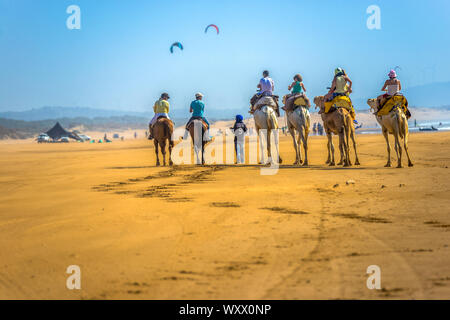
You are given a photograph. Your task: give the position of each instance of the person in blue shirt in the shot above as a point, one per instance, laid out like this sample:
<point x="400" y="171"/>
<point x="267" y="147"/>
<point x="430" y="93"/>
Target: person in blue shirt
<point x="197" y="109"/>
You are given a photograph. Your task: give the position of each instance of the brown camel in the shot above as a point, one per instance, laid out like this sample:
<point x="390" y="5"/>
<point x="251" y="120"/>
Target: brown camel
<point x="340" y="123"/>
<point x="394" y="123"/>
<point x="198" y="138"/>
<point x="162" y="132"/>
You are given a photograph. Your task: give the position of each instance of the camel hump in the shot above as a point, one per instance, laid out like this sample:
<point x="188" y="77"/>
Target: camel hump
<point x="161" y="117"/>
<point x="164" y="119"/>
<point x="191" y="123"/>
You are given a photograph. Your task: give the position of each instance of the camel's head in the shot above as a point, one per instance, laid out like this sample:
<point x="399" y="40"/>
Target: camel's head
<point x="319" y="101"/>
<point x="373" y="103"/>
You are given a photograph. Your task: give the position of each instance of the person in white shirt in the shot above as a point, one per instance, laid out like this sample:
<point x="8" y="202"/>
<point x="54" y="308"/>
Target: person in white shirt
<point x="266" y="85"/>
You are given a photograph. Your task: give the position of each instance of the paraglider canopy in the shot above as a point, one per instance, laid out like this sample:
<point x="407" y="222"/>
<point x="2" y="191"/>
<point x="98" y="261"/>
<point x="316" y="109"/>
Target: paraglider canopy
<point x="176" y="44"/>
<point x="212" y="26"/>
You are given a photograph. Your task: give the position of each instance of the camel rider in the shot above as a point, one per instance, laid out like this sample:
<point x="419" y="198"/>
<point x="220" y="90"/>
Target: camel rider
<point x="161" y="109"/>
<point x="266" y="87"/>
<point x="297" y="88"/>
<point x="341" y="86"/>
<point x="392" y="97"/>
<point x="197" y="109"/>
<point x="392" y="87"/>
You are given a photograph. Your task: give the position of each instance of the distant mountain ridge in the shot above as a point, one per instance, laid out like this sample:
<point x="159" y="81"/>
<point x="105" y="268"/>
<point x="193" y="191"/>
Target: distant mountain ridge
<point x="46" y="113"/>
<point x="429" y="95"/>
<point x="20" y="129"/>
<point x="52" y="113"/>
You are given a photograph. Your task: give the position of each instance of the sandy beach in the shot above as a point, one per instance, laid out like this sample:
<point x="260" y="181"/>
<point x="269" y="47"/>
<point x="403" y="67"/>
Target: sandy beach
<point x="223" y="232"/>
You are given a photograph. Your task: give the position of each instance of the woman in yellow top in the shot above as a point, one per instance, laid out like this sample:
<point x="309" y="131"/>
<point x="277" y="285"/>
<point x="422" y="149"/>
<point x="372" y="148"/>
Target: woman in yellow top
<point x="341" y="86"/>
<point x="161" y="109"/>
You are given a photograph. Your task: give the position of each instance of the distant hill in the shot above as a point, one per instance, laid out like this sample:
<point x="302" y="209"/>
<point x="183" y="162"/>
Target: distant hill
<point x="20" y="129"/>
<point x="12" y="134"/>
<point x="44" y="113"/>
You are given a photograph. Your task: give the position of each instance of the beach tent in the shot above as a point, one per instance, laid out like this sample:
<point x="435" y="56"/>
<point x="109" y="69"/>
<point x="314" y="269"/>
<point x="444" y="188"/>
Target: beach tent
<point x="57" y="132"/>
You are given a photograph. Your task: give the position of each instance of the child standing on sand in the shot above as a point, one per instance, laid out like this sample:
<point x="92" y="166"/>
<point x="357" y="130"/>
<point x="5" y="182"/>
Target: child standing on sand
<point x="239" y="130"/>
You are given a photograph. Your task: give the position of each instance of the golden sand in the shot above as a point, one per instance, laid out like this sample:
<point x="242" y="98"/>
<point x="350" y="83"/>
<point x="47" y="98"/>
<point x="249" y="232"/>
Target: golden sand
<point x="223" y="232"/>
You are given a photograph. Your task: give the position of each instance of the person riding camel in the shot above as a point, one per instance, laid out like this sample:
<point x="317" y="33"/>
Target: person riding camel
<point x="161" y="109"/>
<point x="340" y="87"/>
<point x="392" y="87"/>
<point x="266" y="87"/>
<point x="297" y="89"/>
<point x="197" y="109"/>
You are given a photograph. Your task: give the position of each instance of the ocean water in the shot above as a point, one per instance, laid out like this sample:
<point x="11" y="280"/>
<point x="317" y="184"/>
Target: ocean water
<point x="440" y="125"/>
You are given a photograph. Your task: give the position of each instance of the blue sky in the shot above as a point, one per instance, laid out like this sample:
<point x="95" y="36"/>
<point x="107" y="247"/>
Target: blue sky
<point x="120" y="58"/>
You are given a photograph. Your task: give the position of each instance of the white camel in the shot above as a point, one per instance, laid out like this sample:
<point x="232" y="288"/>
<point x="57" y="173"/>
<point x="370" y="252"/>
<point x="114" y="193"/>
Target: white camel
<point x="394" y="123"/>
<point x="299" y="120"/>
<point x="265" y="123"/>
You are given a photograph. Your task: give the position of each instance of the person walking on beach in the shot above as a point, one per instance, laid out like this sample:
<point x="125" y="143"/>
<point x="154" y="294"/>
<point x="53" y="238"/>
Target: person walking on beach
<point x="239" y="129"/>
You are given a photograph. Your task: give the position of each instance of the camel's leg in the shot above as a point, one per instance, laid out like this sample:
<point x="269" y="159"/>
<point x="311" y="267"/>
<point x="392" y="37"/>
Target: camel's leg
<point x="292" y="132"/>
<point x="405" y="144"/>
<point x="162" y="145"/>
<point x="328" y="150"/>
<point x="304" y="137"/>
<point x="156" y="151"/>
<point x="299" y="144"/>
<point x="331" y="149"/>
<point x="276" y="139"/>
<point x="386" y="136"/>
<point x="197" y="154"/>
<point x="269" y="146"/>
<point x="341" y="146"/>
<point x="352" y="136"/>
<point x="348" y="161"/>
<point x="341" y="150"/>
<point x="398" y="149"/>
<point x="203" y="152"/>
<point x="197" y="159"/>
<point x="170" y="152"/>
<point x="261" y="145"/>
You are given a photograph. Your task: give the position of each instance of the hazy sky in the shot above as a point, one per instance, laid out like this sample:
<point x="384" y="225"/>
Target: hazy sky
<point x="120" y="58"/>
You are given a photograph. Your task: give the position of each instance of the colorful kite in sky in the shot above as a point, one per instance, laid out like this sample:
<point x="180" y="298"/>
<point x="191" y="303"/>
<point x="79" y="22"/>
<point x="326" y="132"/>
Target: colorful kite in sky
<point x="212" y="26"/>
<point x="176" y="44"/>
